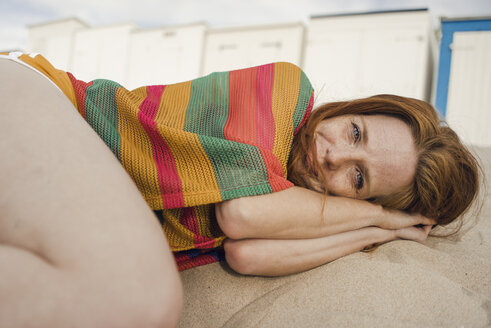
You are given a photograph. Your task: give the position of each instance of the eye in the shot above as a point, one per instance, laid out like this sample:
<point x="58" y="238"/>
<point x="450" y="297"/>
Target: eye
<point x="359" y="181"/>
<point x="356" y="132"/>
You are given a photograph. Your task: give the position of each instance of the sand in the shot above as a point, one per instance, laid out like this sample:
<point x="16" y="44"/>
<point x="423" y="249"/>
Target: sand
<point x="443" y="283"/>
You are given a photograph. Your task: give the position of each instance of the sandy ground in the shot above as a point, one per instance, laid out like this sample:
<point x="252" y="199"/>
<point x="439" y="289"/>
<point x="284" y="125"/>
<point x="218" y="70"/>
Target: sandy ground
<point x="443" y="283"/>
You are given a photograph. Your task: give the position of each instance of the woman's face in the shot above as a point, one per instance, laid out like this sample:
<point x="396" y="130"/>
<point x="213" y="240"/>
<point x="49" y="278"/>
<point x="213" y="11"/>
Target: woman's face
<point x="365" y="156"/>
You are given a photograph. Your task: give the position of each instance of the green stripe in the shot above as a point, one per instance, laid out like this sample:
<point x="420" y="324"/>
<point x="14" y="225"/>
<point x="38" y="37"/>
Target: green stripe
<point x="207" y="110"/>
<point x="239" y="168"/>
<point x="303" y="100"/>
<point x="101" y="112"/>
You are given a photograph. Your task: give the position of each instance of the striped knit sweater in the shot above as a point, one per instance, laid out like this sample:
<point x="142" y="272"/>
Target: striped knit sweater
<point x="192" y="144"/>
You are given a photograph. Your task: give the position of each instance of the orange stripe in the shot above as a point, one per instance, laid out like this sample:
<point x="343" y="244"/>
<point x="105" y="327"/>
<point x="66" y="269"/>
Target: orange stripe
<point x="264" y="115"/>
<point x="241" y="122"/>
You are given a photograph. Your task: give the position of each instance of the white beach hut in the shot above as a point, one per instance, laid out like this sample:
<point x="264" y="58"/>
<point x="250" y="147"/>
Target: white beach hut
<point x="102" y="52"/>
<point x="54" y="40"/>
<point x="240" y="47"/>
<point x="357" y="55"/>
<point x="165" y="55"/>
<point x="464" y="78"/>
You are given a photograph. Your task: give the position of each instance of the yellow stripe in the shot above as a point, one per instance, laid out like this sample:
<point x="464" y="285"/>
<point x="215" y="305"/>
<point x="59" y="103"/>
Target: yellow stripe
<point x="285" y="94"/>
<point x="193" y="165"/>
<point x="173" y="105"/>
<point x="219" y="241"/>
<point x="179" y="237"/>
<point x="204" y="220"/>
<point x="136" y="148"/>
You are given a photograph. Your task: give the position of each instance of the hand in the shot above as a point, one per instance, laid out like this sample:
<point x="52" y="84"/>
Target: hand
<point x="394" y="219"/>
<point x="415" y="233"/>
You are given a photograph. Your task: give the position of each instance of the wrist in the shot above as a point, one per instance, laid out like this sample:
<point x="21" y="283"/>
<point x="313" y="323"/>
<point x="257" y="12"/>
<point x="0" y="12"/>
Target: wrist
<point x="377" y="215"/>
<point x="373" y="236"/>
<point x="391" y="234"/>
<point x="386" y="235"/>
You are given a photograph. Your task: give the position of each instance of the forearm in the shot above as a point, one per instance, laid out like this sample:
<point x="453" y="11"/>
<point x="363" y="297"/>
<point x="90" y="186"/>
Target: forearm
<point x="299" y="213"/>
<point x="295" y="213"/>
<point x="268" y="257"/>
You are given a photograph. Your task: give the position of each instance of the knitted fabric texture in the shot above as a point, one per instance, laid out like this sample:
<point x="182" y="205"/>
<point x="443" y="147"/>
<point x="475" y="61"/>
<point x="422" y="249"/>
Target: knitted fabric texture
<point x="192" y="144"/>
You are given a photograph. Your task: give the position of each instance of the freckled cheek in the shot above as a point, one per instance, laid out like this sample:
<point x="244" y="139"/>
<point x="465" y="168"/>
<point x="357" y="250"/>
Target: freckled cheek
<point x="336" y="183"/>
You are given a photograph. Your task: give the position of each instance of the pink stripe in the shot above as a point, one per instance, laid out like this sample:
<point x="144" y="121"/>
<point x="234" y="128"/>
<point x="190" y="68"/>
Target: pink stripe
<point x="184" y="262"/>
<point x="169" y="181"/>
<point x="264" y="111"/>
<point x="80" y="88"/>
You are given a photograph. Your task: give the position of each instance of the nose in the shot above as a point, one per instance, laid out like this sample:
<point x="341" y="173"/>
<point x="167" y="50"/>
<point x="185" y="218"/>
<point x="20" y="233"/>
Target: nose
<point x="340" y="156"/>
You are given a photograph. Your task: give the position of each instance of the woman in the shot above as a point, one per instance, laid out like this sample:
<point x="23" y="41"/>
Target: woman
<point x="94" y="239"/>
<point x="389" y="150"/>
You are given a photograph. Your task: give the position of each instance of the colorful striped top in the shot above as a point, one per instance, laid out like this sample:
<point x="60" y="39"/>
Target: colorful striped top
<point x="192" y="144"/>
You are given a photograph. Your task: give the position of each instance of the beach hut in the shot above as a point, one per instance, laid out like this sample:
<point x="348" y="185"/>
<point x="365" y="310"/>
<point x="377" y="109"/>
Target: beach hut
<point x="240" y="47"/>
<point x="165" y="55"/>
<point x="463" y="93"/>
<point x="102" y="52"/>
<point x="54" y="40"/>
<point x="361" y="54"/>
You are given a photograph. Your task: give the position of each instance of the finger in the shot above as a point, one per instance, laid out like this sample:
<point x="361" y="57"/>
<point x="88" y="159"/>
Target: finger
<point x="427" y="221"/>
<point x="423" y="232"/>
<point x="415" y="233"/>
<point x="410" y="221"/>
<point x="421" y="220"/>
<point x="411" y="233"/>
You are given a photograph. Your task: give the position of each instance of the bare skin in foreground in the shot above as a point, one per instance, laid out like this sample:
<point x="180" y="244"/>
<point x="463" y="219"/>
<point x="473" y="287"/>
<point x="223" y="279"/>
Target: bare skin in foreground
<point x="79" y="247"/>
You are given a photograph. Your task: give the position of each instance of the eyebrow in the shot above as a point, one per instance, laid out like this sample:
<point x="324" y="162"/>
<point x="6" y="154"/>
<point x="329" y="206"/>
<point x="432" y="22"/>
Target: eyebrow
<point x="364" y="136"/>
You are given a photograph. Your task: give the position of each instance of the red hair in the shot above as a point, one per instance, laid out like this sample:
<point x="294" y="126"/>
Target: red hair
<point x="447" y="174"/>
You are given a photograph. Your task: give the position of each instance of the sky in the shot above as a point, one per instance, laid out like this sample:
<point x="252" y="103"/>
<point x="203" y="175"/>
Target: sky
<point x="17" y="15"/>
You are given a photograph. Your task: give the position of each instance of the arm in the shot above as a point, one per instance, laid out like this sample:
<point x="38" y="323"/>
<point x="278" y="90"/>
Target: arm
<point x="299" y="213"/>
<point x="269" y="257"/>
